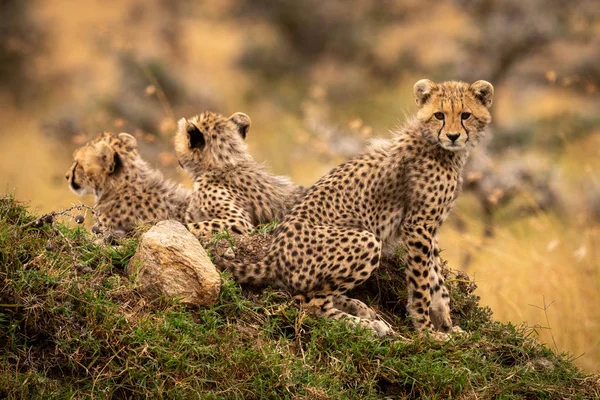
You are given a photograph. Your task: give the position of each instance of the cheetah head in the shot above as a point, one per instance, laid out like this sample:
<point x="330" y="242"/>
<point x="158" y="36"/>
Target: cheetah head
<point x="98" y="164"/>
<point x="211" y="141"/>
<point x="454" y="114"/>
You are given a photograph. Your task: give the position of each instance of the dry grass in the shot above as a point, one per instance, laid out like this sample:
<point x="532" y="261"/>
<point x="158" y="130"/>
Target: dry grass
<point x="543" y="257"/>
<point x="537" y="259"/>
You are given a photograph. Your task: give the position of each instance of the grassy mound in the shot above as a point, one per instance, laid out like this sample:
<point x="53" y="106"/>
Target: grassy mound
<point x="73" y="326"/>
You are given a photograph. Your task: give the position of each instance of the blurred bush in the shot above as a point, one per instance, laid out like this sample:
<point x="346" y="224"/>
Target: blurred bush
<point x="21" y="40"/>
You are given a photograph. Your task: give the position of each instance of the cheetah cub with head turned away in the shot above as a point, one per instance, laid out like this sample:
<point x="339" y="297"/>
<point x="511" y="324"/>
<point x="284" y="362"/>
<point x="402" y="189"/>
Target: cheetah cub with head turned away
<point x="398" y="192"/>
<point x="128" y="191"/>
<point x="231" y="190"/>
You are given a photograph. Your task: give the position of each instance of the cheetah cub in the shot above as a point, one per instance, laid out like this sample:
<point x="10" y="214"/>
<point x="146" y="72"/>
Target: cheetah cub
<point x="231" y="190"/>
<point x="398" y="192"/>
<point x="128" y="191"/>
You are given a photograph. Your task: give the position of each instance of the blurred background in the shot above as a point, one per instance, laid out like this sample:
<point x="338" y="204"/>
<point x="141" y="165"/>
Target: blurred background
<point x="318" y="79"/>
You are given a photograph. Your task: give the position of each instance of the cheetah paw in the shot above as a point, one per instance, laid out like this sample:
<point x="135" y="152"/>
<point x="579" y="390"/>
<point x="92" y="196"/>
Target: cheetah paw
<point x="383" y="328"/>
<point x="439" y="336"/>
<point x="457" y="330"/>
<point x="380" y="328"/>
<point x="445" y="336"/>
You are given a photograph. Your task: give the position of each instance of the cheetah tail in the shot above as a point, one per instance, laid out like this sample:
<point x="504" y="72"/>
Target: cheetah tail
<point x="261" y="273"/>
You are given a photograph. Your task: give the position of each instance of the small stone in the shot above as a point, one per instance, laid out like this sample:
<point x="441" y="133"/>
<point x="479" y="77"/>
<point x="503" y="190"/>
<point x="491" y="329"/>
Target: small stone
<point x="170" y="261"/>
<point x="96" y="230"/>
<point x="229" y="253"/>
<point x="79" y="219"/>
<point x="50" y="247"/>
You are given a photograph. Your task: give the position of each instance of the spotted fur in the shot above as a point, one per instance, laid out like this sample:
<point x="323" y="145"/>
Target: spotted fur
<point x="231" y="190"/>
<point x="128" y="191"/>
<point x="398" y="192"/>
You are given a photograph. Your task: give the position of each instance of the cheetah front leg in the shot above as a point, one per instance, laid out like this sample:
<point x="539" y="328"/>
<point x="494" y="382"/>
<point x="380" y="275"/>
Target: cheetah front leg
<point x="235" y="222"/>
<point x="440" y="298"/>
<point x="419" y="260"/>
<point x="220" y="212"/>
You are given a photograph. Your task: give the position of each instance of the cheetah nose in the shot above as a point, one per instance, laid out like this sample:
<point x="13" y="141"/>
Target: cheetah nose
<point x="453" y="136"/>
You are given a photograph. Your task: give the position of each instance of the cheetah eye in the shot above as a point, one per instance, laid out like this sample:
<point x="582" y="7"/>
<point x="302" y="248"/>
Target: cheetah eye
<point x="439" y="115"/>
<point x="465" y="115"/>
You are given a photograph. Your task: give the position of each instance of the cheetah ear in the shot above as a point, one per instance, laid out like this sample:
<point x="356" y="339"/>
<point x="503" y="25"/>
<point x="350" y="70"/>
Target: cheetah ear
<point x="243" y="123"/>
<point x="422" y="90"/>
<point x="483" y="91"/>
<point x="196" y="138"/>
<point x="128" y="140"/>
<point x="107" y="157"/>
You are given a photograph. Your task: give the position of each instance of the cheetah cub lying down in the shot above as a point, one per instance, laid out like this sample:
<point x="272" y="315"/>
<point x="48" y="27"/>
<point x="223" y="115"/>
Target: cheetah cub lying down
<point x="231" y="190"/>
<point x="128" y="191"/>
<point x="398" y="192"/>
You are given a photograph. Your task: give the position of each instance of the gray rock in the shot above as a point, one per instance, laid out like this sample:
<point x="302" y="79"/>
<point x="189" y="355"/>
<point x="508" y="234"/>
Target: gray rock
<point x="170" y="261"/>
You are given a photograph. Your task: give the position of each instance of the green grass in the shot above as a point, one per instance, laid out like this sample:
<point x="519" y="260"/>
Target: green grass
<point x="224" y="235"/>
<point x="265" y="229"/>
<point x="73" y="326"/>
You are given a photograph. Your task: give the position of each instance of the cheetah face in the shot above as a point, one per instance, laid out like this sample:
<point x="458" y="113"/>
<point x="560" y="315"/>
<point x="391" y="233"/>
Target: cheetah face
<point x="96" y="163"/>
<point x="211" y="141"/>
<point x="454" y="114"/>
<point x="79" y="181"/>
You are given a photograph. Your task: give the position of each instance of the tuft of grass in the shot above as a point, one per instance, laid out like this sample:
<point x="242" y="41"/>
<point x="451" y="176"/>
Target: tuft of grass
<point x="73" y="326"/>
<point x="224" y="235"/>
<point x="266" y="229"/>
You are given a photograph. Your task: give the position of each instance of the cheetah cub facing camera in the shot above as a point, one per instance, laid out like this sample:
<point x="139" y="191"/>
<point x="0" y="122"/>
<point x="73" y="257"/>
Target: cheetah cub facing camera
<point x="231" y="190"/>
<point x="398" y="192"/>
<point x="128" y="191"/>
